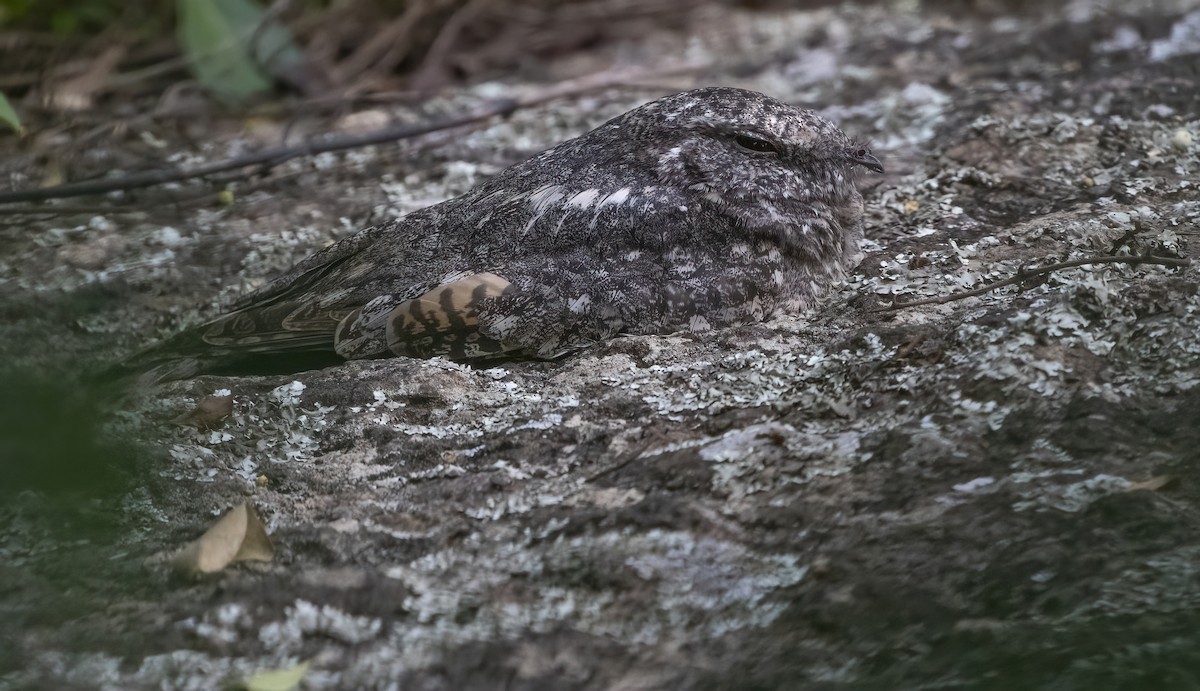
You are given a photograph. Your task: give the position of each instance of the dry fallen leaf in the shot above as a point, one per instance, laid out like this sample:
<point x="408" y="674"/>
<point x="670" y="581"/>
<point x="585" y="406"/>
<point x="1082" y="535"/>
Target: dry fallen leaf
<point x="238" y="536"/>
<point x="1153" y="484"/>
<point x="78" y="94"/>
<point x="208" y="413"/>
<point x="277" y="679"/>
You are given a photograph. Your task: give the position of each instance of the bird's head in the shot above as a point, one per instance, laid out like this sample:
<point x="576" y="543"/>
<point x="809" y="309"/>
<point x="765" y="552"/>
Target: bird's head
<point x="775" y="168"/>
<point x="739" y="142"/>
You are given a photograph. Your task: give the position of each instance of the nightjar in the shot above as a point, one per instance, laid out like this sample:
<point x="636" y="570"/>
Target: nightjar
<point x="700" y="210"/>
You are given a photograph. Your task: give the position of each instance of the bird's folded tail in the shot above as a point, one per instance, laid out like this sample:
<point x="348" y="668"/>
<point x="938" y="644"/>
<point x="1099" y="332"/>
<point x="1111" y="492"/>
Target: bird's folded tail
<point x="236" y="343"/>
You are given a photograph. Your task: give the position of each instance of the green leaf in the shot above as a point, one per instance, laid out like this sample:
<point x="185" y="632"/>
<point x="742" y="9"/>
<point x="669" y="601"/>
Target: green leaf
<point x="269" y="42"/>
<point x="232" y="46"/>
<point x="277" y="679"/>
<point x="63" y="22"/>
<point x="9" y="116"/>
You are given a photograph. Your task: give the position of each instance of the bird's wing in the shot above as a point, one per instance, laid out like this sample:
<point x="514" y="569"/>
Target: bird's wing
<point x="311" y="271"/>
<point x="441" y="321"/>
<point x="301" y="309"/>
<point x="280" y="326"/>
<point x="441" y="281"/>
<point x="298" y="311"/>
<point x="295" y="315"/>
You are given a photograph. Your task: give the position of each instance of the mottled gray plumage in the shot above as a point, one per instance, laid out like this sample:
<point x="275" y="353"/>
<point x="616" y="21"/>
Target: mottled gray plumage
<point x="703" y="209"/>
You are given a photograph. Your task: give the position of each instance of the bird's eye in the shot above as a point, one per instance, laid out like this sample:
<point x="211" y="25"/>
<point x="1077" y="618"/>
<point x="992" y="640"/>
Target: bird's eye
<point x="860" y="153"/>
<point x="760" y="146"/>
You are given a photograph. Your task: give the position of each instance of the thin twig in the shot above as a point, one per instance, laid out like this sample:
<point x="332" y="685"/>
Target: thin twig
<point x="393" y="43"/>
<point x="268" y="157"/>
<point x="435" y="56"/>
<point x="277" y="155"/>
<point x="1026" y="274"/>
<point x="68" y="210"/>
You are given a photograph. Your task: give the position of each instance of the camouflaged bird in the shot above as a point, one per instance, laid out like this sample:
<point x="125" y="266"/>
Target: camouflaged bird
<point x="700" y="210"/>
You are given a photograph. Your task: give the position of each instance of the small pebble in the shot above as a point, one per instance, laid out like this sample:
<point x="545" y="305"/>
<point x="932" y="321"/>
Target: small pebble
<point x="1182" y="140"/>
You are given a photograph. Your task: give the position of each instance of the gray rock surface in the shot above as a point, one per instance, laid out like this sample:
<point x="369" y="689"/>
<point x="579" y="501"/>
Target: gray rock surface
<point x="995" y="492"/>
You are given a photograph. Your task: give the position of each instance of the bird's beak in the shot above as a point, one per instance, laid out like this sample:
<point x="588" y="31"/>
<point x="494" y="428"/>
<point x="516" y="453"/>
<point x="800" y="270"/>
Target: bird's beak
<point x="867" y="160"/>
